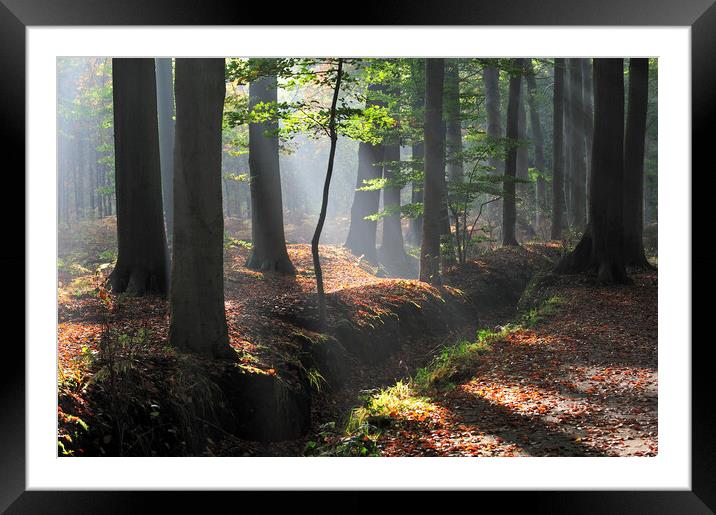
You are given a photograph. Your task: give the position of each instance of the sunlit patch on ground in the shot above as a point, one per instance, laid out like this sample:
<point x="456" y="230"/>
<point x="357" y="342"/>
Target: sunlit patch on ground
<point x="558" y="389"/>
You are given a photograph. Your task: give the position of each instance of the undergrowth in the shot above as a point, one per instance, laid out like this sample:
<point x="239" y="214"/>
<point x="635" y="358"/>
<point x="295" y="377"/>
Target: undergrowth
<point x="411" y="399"/>
<point x="147" y="399"/>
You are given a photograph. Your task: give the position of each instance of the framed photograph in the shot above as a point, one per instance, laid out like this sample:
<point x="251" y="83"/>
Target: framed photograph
<point x="419" y="253"/>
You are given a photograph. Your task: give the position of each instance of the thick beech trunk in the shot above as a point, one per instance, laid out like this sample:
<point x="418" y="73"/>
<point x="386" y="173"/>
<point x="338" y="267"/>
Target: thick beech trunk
<point x="268" y="252"/>
<point x="509" y="208"/>
<point x="434" y="172"/>
<point x="601" y="249"/>
<point x="142" y="247"/>
<point x="198" y="320"/>
<point x="634" y="162"/>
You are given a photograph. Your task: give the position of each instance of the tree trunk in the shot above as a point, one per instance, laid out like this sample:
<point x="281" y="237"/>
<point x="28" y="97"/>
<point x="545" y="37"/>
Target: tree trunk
<point x="634" y="162"/>
<point x="416" y="224"/>
<point x="447" y="251"/>
<point x="434" y="172"/>
<point x="142" y="247"/>
<point x="538" y="140"/>
<point x="454" y="131"/>
<point x="393" y="247"/>
<point x="165" y="111"/>
<point x="509" y="208"/>
<point x="558" y="151"/>
<point x="324" y="202"/>
<point x="198" y="319"/>
<point x="269" y="243"/>
<point x="523" y="189"/>
<point x="601" y="248"/>
<point x="453" y="137"/>
<point x="579" y="167"/>
<point x="361" y="238"/>
<point x="491" y="78"/>
<point x="588" y="95"/>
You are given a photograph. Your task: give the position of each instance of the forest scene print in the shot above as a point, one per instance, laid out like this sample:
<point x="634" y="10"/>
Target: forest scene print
<point x="364" y="257"/>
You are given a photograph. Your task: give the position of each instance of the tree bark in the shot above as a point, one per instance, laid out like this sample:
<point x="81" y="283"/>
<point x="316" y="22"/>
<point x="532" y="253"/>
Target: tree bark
<point x="453" y="122"/>
<point x="588" y="95"/>
<point x="415" y="225"/>
<point x="393" y="246"/>
<point x="491" y="79"/>
<point x="434" y="171"/>
<point x="416" y="196"/>
<point x="601" y="248"/>
<point x="509" y="208"/>
<point x="361" y="238"/>
<point x="322" y="318"/>
<point x="198" y="319"/>
<point x="267" y="234"/>
<point x="538" y="140"/>
<point x="165" y="111"/>
<point x="142" y="247"/>
<point x="523" y="189"/>
<point x="578" y="172"/>
<point x="453" y="136"/>
<point x="634" y="144"/>
<point x="558" y="151"/>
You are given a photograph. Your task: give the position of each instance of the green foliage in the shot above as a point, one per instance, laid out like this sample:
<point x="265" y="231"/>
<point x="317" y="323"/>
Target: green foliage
<point x="547" y="309"/>
<point x="451" y="364"/>
<point x="332" y="442"/>
<point x="315" y="379"/>
<point x="230" y="242"/>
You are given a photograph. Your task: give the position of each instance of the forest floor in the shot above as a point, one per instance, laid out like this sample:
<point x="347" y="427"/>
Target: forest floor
<point x="577" y="377"/>
<point x="573" y="374"/>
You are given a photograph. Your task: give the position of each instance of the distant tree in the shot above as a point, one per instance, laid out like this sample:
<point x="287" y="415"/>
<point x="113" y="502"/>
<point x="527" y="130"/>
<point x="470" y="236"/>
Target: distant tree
<point x="142" y="246"/>
<point x="453" y="150"/>
<point x="523" y="188"/>
<point x="361" y="239"/>
<point x="165" y="112"/>
<point x="198" y="319"/>
<point x="575" y="141"/>
<point x="509" y="208"/>
<point x="588" y="96"/>
<point x="415" y="224"/>
<point x="417" y="76"/>
<point x="453" y="121"/>
<point x="393" y="248"/>
<point x="491" y="79"/>
<point x="447" y="243"/>
<point x="267" y="234"/>
<point x="433" y="205"/>
<point x="601" y="249"/>
<point x="538" y="140"/>
<point x="634" y="162"/>
<point x="558" y="151"/>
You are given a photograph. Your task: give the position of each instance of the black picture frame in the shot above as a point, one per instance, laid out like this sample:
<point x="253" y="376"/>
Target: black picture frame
<point x="16" y="15"/>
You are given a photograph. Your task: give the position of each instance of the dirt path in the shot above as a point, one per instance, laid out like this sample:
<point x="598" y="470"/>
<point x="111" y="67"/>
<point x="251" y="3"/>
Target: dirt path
<point x="580" y="383"/>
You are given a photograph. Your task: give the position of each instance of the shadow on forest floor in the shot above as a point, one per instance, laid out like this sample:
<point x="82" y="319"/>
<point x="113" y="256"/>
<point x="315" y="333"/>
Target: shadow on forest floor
<point x="581" y="382"/>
